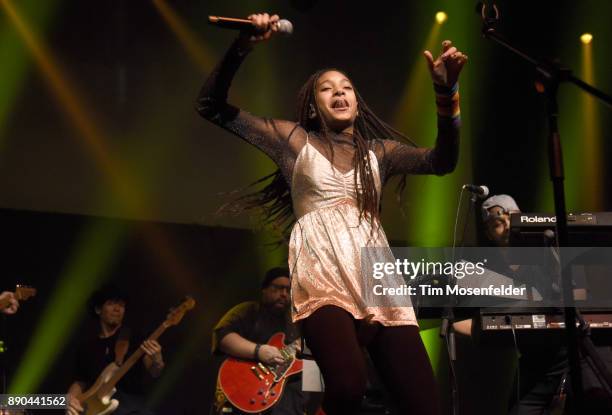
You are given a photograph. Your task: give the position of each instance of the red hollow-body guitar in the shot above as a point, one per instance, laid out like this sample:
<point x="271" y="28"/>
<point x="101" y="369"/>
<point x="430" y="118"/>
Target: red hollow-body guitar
<point x="255" y="387"/>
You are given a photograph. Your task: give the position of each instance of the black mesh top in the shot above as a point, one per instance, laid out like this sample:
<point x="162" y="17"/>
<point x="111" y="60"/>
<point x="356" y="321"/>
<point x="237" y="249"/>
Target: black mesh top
<point x="282" y="140"/>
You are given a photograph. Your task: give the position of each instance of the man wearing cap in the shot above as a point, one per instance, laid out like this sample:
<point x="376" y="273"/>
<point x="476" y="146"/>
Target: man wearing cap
<point x="245" y="329"/>
<point x="108" y="341"/>
<point x="543" y="367"/>
<point x="488" y="367"/>
<point x="496" y="212"/>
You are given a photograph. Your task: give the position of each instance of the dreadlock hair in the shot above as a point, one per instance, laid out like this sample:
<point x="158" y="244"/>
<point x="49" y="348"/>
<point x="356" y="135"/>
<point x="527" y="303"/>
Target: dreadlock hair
<point x="274" y="199"/>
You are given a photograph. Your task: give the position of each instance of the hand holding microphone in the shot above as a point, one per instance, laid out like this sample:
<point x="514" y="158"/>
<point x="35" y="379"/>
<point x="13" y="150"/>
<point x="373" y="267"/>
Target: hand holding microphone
<point x="256" y="28"/>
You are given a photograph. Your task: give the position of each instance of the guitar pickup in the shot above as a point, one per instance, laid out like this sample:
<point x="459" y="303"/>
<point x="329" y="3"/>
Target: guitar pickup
<point x="263" y="368"/>
<point x="256" y="372"/>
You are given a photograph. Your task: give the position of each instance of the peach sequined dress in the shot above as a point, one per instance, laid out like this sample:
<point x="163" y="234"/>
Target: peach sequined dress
<point x="326" y="241"/>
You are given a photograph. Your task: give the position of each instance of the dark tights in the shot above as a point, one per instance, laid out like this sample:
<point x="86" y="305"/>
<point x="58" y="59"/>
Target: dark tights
<point x="335" y="339"/>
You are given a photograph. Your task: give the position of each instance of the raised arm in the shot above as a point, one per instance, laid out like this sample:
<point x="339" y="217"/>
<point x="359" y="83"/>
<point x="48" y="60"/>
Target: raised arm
<point x="267" y="134"/>
<point x="400" y="158"/>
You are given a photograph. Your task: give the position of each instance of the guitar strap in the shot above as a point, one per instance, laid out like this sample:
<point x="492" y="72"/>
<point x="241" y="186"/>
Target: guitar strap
<point x="122" y="345"/>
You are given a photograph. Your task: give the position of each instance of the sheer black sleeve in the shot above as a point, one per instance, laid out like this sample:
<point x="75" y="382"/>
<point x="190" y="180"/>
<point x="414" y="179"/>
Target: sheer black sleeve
<point x="268" y="135"/>
<point x="400" y="158"/>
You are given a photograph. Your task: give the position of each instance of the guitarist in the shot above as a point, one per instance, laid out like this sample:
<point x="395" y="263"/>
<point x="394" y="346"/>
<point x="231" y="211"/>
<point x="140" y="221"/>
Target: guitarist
<point x="111" y="341"/>
<point x="244" y="331"/>
<point x="12" y="303"/>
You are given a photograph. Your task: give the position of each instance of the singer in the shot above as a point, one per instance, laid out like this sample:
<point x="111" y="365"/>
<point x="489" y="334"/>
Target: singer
<point x="333" y="162"/>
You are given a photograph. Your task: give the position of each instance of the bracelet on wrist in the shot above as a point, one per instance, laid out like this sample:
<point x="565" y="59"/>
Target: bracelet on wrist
<point x="445" y="90"/>
<point x="256" y="351"/>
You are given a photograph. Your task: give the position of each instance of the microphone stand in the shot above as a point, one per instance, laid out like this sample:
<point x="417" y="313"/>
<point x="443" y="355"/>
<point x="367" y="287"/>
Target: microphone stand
<point x="549" y="75"/>
<point x="447" y="331"/>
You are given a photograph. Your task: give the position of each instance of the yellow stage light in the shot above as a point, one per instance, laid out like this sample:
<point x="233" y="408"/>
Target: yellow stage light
<point x="586" y="38"/>
<point x="441" y="17"/>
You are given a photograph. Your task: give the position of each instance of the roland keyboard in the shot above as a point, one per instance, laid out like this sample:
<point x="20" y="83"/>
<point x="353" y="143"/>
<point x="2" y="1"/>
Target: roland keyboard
<point x="585" y="229"/>
<point x="535" y="320"/>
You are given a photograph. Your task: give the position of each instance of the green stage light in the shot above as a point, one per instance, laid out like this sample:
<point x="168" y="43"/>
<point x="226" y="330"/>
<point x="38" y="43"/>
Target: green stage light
<point x="92" y="259"/>
<point x="431" y="339"/>
<point x="14" y="57"/>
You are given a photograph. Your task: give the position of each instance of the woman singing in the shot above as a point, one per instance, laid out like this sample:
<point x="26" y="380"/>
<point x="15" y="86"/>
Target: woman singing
<point x="333" y="162"/>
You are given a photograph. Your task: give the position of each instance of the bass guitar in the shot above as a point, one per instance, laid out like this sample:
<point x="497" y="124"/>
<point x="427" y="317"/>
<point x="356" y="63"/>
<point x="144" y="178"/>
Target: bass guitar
<point x="98" y="400"/>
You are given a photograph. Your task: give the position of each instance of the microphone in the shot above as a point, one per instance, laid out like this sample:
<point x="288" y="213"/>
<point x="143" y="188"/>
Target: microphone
<point x="283" y="26"/>
<point x="480" y="191"/>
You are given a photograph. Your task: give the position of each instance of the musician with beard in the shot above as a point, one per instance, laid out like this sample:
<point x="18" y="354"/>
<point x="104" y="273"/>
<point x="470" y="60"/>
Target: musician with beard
<point x="244" y="331"/>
